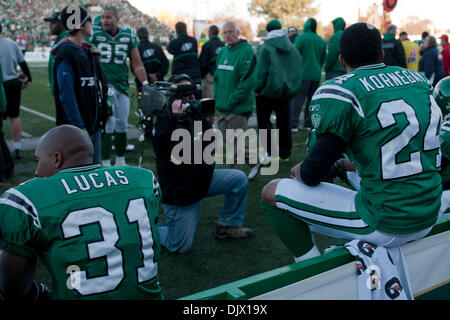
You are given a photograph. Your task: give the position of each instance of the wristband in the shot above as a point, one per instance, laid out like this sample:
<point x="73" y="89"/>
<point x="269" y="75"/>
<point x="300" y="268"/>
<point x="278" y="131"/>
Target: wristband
<point x="145" y="83"/>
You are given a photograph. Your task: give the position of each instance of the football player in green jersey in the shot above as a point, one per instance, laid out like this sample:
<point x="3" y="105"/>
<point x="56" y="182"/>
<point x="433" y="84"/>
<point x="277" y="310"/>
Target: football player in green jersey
<point x="442" y="95"/>
<point x="387" y="122"/>
<point x="116" y="44"/>
<point x="93" y="227"/>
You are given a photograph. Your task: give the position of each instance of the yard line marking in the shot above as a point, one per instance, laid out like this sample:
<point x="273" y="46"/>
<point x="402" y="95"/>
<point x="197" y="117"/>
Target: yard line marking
<point x="26" y="135"/>
<point x="43" y="115"/>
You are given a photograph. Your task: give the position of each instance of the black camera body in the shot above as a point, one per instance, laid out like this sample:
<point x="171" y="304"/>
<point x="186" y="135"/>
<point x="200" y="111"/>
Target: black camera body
<point x="156" y="99"/>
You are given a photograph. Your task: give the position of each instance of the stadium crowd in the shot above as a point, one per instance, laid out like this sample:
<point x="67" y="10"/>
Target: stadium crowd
<point x="366" y="75"/>
<point x="23" y="18"/>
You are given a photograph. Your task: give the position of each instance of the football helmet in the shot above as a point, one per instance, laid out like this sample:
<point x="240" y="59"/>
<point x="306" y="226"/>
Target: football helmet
<point x="441" y="94"/>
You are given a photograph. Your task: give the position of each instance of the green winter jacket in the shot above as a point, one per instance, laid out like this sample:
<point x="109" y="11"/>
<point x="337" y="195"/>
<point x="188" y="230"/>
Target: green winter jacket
<point x="279" y="67"/>
<point x="2" y="94"/>
<point x="51" y="61"/>
<point x="234" y="80"/>
<point x="333" y="63"/>
<point x="313" y="50"/>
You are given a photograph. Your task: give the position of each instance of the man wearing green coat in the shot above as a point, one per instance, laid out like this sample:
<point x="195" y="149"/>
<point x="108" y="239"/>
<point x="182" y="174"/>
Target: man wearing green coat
<point x="278" y="79"/>
<point x="6" y="161"/>
<point x="234" y="83"/>
<point x="333" y="67"/>
<point x="313" y="51"/>
<point x="57" y="29"/>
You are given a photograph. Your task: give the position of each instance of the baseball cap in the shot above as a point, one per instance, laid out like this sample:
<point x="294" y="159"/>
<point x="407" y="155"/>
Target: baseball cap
<point x="290" y="29"/>
<point x="53" y="17"/>
<point x="444" y="36"/>
<point x="69" y="19"/>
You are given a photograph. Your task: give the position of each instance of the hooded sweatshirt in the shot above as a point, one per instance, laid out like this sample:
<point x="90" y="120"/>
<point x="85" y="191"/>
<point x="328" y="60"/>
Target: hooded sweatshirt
<point x="313" y="50"/>
<point x="234" y="79"/>
<point x="333" y="63"/>
<point x="279" y="67"/>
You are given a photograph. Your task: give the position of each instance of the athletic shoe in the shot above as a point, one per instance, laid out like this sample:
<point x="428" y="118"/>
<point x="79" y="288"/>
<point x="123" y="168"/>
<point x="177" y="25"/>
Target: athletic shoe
<point x="223" y="232"/>
<point x="254" y="171"/>
<point x="18" y="154"/>
<point x="294" y="129"/>
<point x="130" y="147"/>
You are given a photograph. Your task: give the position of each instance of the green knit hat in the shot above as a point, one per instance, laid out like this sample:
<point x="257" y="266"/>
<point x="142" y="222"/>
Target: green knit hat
<point x="273" y="25"/>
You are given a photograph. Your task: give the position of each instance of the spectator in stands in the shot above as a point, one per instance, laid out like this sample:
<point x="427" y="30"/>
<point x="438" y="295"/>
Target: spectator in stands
<point x="292" y="33"/>
<point x="422" y="41"/>
<point x="10" y="57"/>
<point x="208" y="58"/>
<point x="80" y="86"/>
<point x="184" y="50"/>
<point x="234" y="82"/>
<point x="184" y="185"/>
<point x="430" y="63"/>
<point x="313" y="50"/>
<point x="278" y="79"/>
<point x="445" y="54"/>
<point x="57" y="29"/>
<point x="333" y="67"/>
<point x="412" y="52"/>
<point x="153" y="57"/>
<point x="394" y="55"/>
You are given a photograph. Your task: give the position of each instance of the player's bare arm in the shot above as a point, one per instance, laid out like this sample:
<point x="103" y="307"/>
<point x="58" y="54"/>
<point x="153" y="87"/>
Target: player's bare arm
<point x="138" y="67"/>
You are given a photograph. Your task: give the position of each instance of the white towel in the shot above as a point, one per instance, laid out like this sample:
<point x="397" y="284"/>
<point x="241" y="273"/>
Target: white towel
<point x="382" y="273"/>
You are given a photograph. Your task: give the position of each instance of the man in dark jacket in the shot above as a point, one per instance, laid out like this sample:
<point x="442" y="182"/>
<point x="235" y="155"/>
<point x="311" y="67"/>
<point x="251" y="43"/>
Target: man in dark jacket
<point x="153" y="58"/>
<point x="394" y="54"/>
<point x="313" y="51"/>
<point x="333" y="67"/>
<point x="278" y="79"/>
<point x="207" y="60"/>
<point x="80" y="85"/>
<point x="184" y="183"/>
<point x="184" y="50"/>
<point x="430" y="62"/>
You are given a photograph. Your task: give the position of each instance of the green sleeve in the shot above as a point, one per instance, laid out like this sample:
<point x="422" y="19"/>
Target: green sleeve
<point x="246" y="82"/>
<point x="262" y="69"/>
<point x="333" y="49"/>
<point x="18" y="232"/>
<point x="2" y="94"/>
<point x="332" y="116"/>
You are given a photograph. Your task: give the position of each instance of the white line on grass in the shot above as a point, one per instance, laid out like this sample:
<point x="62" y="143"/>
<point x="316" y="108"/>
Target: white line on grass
<point x="43" y="115"/>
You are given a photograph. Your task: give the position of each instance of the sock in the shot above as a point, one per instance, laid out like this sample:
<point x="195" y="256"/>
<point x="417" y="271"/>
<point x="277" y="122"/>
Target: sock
<point x="17" y="145"/>
<point x="120" y="161"/>
<point x="120" y="140"/>
<point x="314" y="252"/>
<point x="292" y="231"/>
<point x="106" y="146"/>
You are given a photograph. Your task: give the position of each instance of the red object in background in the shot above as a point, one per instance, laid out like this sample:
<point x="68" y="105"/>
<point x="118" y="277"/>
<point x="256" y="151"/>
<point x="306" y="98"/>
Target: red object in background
<point x="389" y="5"/>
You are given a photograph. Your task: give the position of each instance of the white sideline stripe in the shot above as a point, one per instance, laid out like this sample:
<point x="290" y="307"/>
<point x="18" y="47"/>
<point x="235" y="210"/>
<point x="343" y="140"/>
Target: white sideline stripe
<point x="43" y="115"/>
<point x="26" y="135"/>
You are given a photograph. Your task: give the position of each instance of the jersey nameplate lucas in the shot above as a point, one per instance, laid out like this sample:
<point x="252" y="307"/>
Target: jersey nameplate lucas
<point x="86" y="182"/>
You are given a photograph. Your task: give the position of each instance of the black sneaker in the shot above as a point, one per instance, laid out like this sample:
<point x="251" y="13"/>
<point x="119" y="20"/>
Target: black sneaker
<point x="223" y="232"/>
<point x="18" y="154"/>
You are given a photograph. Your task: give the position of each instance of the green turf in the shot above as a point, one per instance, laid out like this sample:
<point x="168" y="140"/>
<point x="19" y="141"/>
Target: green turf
<point x="210" y="262"/>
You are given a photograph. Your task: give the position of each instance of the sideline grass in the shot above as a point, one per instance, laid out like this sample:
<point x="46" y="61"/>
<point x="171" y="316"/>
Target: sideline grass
<point x="211" y="262"/>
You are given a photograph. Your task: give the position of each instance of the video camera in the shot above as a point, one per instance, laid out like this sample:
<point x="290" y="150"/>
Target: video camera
<point x="155" y="100"/>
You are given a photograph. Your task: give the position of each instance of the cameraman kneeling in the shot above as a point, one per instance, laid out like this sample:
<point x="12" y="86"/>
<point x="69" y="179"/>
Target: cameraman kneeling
<point x="185" y="185"/>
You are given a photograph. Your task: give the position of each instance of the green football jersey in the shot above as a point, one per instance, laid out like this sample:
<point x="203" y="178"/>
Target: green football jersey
<point x="93" y="227"/>
<point x="115" y="51"/>
<point x="390" y="122"/>
<point x="445" y="147"/>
